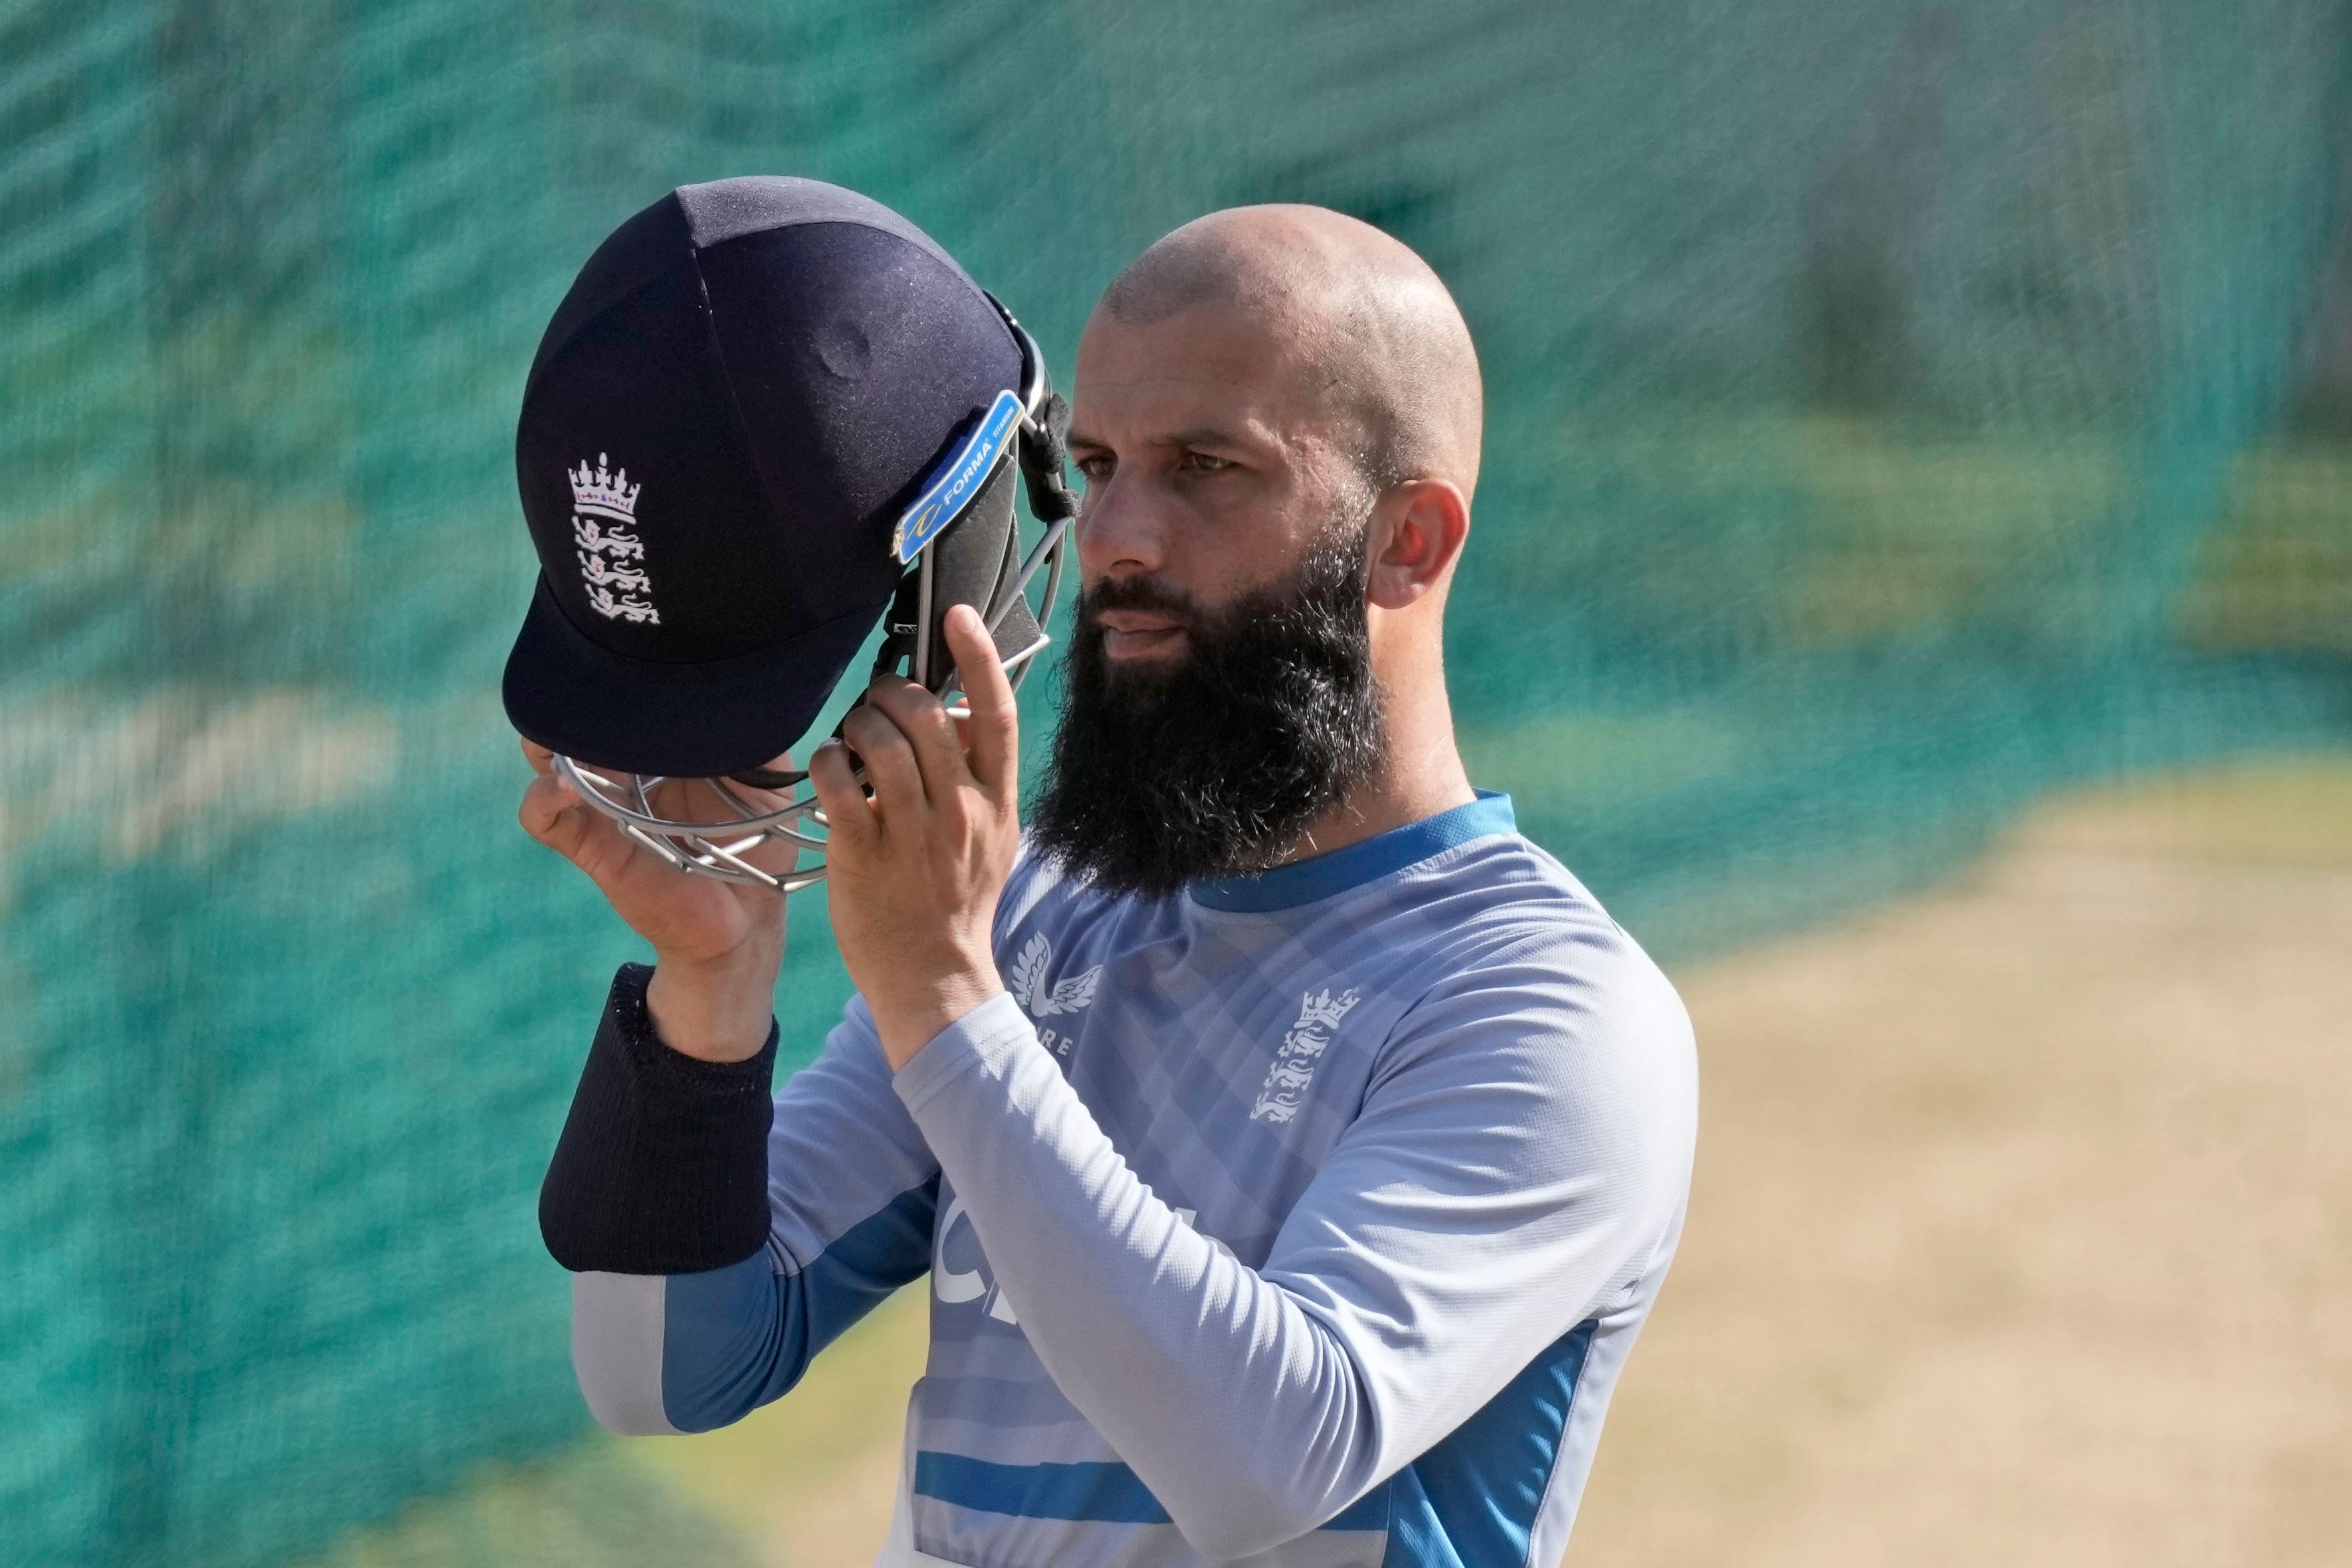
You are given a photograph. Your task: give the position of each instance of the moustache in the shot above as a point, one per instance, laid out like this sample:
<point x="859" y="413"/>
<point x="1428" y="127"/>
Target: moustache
<point x="1145" y="593"/>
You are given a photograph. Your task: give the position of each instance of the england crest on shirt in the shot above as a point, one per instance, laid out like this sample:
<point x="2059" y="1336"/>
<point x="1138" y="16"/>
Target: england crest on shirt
<point x="1303" y="1044"/>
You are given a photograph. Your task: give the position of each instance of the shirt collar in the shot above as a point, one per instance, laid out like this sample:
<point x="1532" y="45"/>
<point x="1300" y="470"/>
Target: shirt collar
<point x="1321" y="876"/>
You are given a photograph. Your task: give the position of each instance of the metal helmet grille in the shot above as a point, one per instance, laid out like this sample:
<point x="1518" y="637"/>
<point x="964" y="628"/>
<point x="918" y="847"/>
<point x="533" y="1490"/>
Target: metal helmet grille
<point x="718" y="847"/>
<point x="740" y="827"/>
<point x="726" y="827"/>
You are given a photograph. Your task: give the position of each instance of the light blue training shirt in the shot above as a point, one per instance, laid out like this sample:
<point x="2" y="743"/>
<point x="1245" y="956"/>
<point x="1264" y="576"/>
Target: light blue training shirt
<point x="1303" y="1218"/>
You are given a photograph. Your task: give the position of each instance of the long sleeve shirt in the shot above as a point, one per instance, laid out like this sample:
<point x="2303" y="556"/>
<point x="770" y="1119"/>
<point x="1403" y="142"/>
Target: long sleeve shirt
<point x="1300" y="1218"/>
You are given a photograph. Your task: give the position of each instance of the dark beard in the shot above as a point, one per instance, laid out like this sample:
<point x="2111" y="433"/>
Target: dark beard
<point x="1218" y="766"/>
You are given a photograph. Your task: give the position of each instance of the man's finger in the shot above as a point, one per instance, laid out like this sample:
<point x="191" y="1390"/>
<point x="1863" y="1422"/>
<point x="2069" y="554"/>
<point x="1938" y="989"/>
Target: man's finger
<point x="545" y="799"/>
<point x="849" y="820"/>
<point x="924" y="721"/>
<point x="554" y="813"/>
<point x="993" y="733"/>
<point x="890" y="768"/>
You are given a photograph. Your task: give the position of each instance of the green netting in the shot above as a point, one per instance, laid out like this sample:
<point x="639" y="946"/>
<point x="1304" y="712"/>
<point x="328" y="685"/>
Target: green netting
<point x="1895" y="410"/>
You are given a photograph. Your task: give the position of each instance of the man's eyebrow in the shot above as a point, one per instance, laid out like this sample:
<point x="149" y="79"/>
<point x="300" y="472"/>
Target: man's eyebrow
<point x="1203" y="435"/>
<point x="1196" y="435"/>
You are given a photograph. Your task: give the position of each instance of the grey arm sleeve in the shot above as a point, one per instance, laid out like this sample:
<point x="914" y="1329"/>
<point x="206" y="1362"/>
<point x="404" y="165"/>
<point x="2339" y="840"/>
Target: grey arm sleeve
<point x="1523" y="1149"/>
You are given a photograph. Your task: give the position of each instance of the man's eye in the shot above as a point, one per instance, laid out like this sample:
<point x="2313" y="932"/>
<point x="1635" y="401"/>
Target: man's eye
<point x="1094" y="470"/>
<point x="1204" y="462"/>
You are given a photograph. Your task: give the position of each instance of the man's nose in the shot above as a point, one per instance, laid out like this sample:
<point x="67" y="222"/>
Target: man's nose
<point x="1121" y="533"/>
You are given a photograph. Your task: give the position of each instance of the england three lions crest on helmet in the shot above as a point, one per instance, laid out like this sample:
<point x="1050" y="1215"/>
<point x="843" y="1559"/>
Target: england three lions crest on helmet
<point x="601" y="500"/>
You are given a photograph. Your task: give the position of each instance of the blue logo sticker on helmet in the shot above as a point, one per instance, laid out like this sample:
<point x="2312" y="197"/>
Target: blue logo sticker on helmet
<point x="956" y="479"/>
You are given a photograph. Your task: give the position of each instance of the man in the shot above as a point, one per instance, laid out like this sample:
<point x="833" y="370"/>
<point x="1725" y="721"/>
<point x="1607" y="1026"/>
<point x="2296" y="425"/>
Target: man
<point x="1294" y="1149"/>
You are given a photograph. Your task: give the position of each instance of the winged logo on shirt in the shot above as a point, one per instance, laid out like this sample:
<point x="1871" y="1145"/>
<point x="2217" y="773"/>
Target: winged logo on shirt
<point x="1027" y="982"/>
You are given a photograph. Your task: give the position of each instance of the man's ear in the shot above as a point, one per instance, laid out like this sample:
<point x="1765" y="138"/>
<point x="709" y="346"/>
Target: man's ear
<point x="1417" y="533"/>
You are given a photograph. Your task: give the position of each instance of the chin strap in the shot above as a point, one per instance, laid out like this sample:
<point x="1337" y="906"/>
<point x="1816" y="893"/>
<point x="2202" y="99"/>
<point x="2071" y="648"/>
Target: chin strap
<point x="1044" y="452"/>
<point x="775" y="778"/>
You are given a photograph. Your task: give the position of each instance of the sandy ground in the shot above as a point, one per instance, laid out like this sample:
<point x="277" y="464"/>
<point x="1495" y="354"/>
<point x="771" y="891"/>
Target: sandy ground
<point x="2021" y="1232"/>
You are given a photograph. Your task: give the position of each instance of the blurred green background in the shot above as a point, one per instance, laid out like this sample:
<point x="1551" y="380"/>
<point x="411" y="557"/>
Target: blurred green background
<point x="1897" y="411"/>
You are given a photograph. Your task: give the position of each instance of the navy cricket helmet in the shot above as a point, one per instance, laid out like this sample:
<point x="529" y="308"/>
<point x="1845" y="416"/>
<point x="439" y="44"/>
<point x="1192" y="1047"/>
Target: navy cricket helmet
<point x="769" y="412"/>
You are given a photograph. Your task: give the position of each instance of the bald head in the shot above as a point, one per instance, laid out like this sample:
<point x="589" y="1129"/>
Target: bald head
<point x="1371" y="326"/>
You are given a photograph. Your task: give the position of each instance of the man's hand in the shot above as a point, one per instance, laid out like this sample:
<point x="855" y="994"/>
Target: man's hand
<point x="717" y="944"/>
<point x="915" y="869"/>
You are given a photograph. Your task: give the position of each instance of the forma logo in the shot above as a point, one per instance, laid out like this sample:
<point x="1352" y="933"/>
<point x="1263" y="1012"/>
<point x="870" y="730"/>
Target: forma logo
<point x="956" y="479"/>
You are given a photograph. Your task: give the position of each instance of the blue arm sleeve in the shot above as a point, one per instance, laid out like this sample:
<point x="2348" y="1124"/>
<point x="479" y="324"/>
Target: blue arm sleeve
<point x="851" y="1193"/>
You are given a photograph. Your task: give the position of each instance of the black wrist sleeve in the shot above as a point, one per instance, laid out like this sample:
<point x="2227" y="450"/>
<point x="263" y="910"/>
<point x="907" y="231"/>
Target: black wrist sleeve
<point x="663" y="1165"/>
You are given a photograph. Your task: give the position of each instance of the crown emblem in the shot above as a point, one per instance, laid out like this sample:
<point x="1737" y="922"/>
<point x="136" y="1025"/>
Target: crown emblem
<point x="601" y="489"/>
<point x="1320" y="1009"/>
